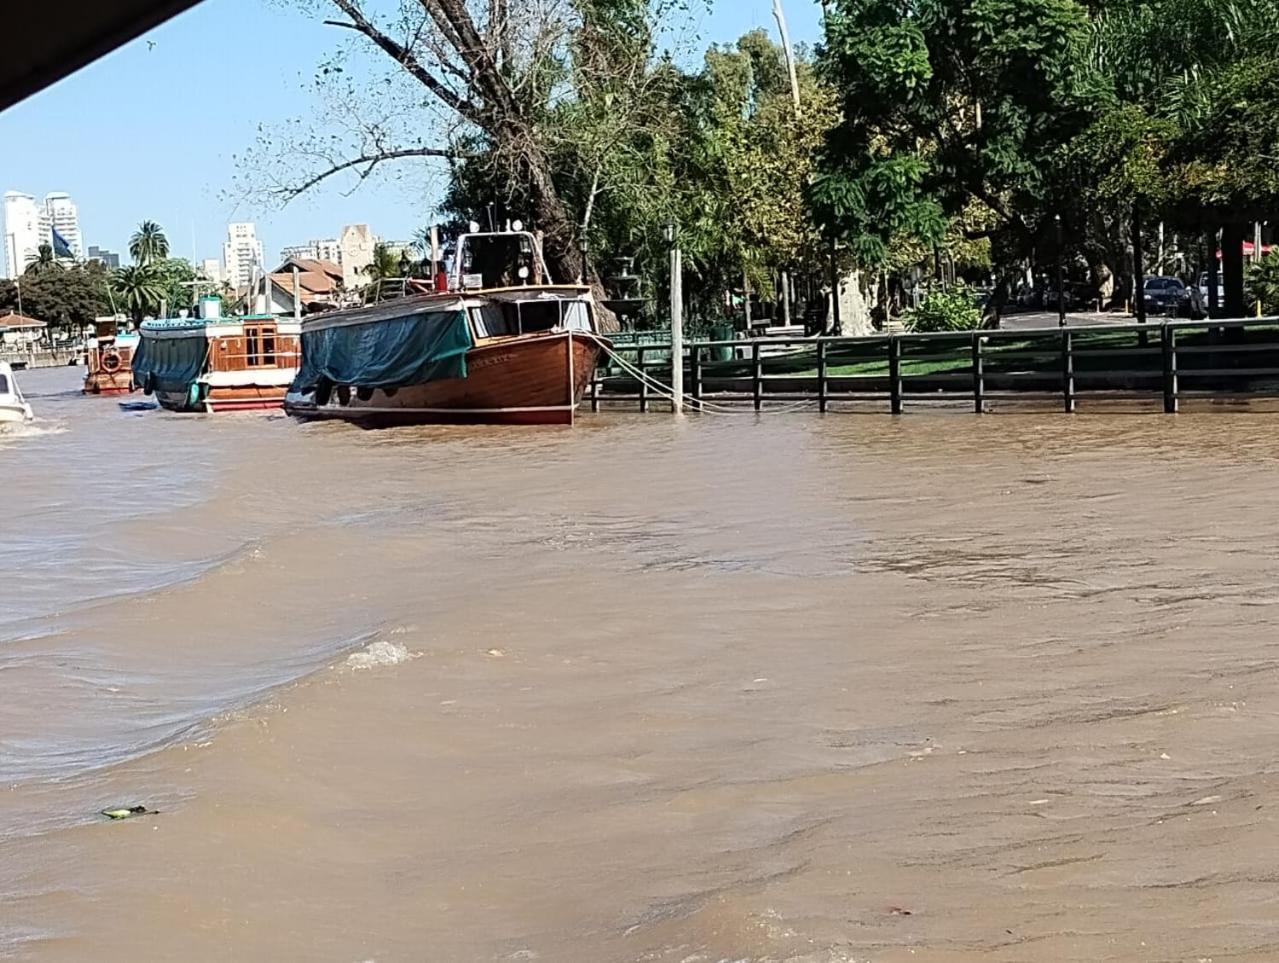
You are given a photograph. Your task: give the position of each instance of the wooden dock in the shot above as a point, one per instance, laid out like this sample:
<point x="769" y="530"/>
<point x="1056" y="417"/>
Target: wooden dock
<point x="1162" y="363"/>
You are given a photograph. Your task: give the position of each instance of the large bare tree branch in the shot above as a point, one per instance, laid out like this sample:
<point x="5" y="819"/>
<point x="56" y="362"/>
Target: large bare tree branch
<point x="368" y="162"/>
<point x="471" y="47"/>
<point x="403" y="56"/>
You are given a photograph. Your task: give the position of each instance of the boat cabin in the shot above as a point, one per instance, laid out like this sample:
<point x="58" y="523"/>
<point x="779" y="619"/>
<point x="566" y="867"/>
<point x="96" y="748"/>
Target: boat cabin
<point x="519" y="311"/>
<point x="109" y="358"/>
<point x="215" y="364"/>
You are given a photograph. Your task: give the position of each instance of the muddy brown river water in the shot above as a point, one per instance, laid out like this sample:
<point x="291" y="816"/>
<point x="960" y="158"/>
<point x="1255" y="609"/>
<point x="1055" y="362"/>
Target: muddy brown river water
<point x="794" y="688"/>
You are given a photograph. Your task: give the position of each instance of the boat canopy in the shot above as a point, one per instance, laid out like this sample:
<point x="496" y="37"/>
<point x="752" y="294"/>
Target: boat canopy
<point x="169" y="364"/>
<point x="389" y="345"/>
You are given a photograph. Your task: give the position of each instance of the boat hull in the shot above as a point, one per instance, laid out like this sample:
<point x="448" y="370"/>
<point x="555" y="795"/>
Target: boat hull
<point x="218" y="399"/>
<point x="536" y="380"/>
<point x="103" y="383"/>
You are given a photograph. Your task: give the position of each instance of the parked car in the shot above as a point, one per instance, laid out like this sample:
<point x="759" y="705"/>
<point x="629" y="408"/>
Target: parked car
<point x="1171" y="297"/>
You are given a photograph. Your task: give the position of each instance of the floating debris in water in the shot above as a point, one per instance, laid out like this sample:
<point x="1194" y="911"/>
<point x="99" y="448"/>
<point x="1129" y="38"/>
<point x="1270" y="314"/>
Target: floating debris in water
<point x="129" y="812"/>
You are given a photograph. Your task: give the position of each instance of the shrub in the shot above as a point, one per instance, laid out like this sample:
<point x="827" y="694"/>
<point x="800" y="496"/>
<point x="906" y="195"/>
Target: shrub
<point x="953" y="310"/>
<point x="1263" y="283"/>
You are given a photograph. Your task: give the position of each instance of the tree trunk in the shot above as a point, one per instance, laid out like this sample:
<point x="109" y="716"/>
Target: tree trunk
<point x="1214" y="276"/>
<point x="565" y="261"/>
<point x="1138" y="267"/>
<point x="1232" y="235"/>
<point x="853" y="311"/>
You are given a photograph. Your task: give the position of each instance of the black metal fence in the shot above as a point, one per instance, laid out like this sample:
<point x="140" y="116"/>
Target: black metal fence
<point x="1167" y="362"/>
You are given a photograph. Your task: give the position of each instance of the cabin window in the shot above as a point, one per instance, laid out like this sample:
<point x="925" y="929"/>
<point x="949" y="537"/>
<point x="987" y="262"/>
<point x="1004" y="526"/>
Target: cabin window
<point x="491" y="321"/>
<point x="259" y="346"/>
<point x="539" y="315"/>
<point x="4" y="385"/>
<point x="577" y="316"/>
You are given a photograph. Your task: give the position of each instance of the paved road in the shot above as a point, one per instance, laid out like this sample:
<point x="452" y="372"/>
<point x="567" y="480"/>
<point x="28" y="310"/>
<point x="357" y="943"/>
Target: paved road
<point x="1048" y="319"/>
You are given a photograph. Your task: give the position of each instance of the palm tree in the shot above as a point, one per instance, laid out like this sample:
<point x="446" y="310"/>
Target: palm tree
<point x="384" y="264"/>
<point x="148" y="244"/>
<point x="43" y="261"/>
<point x="139" y="290"/>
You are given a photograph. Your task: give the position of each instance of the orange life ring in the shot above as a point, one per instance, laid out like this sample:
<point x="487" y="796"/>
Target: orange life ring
<point x="111" y="360"/>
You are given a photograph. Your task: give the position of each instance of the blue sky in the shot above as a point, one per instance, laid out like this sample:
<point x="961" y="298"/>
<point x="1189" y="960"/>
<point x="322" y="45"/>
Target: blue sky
<point x="151" y="131"/>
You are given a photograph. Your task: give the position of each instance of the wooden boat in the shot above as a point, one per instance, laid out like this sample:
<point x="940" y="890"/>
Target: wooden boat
<point x="14" y="408"/>
<point x="109" y="360"/>
<point x="521" y="354"/>
<point x="212" y="364"/>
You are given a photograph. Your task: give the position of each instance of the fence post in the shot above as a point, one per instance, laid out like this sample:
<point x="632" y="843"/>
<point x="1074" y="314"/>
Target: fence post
<point x="894" y="374"/>
<point x="1169" y="340"/>
<point x="695" y="370"/>
<point x="595" y="388"/>
<point x="758" y="375"/>
<point x="639" y="363"/>
<point x="979" y="376"/>
<point x="1067" y="370"/>
<point x="821" y="376"/>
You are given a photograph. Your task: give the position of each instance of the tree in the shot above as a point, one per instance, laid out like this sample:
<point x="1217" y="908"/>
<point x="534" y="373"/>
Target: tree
<point x="64" y="298"/>
<point x="385" y="264"/>
<point x="148" y="244"/>
<point x="139" y="290"/>
<point x="173" y="276"/>
<point x="482" y="83"/>
<point x="1096" y="111"/>
<point x="945" y="104"/>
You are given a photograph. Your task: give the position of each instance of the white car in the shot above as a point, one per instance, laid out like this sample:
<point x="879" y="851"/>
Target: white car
<point x="1203" y="288"/>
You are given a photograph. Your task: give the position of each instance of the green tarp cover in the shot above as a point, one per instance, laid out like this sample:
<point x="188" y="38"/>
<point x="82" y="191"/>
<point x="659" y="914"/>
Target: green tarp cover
<point x="173" y="363"/>
<point x="385" y="352"/>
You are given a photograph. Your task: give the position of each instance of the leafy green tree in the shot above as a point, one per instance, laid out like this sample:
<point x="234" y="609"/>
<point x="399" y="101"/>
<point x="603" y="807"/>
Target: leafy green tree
<point x="174" y="276"/>
<point x="385" y="264"/>
<point x="945" y="103"/>
<point x="148" y="244"/>
<point x="64" y="298"/>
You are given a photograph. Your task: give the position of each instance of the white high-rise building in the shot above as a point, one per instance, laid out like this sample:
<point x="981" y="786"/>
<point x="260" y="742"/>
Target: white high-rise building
<point x="24" y="232"/>
<point x="327" y="249"/>
<point x="211" y="268"/>
<point x="62" y="217"/>
<point x="241" y="253"/>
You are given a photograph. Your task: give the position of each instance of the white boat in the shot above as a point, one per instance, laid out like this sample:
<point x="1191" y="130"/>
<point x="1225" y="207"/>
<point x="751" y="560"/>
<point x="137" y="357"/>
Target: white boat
<point x="13" y="407"/>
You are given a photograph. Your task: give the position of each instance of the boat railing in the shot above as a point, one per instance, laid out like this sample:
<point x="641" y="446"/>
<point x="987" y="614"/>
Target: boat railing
<point x="390" y="289"/>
